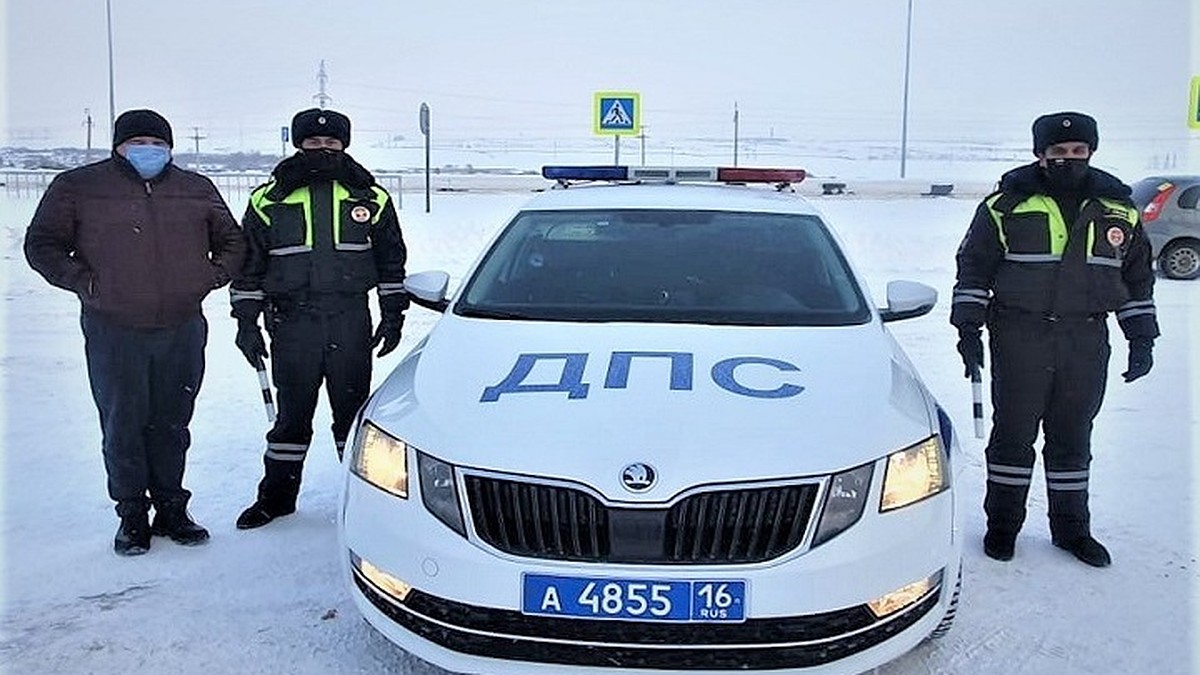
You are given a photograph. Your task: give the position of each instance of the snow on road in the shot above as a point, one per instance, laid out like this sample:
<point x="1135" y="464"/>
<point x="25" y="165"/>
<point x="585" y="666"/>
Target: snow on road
<point x="273" y="600"/>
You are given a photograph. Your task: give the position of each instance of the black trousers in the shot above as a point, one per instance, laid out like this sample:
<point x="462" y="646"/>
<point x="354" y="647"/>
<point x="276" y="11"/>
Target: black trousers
<point x="1052" y="375"/>
<point x="144" y="383"/>
<point x="312" y="346"/>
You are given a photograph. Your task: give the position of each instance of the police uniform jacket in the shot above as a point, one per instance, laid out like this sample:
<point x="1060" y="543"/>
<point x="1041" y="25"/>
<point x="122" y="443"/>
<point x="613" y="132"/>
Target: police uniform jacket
<point x="1021" y="256"/>
<point x="320" y="242"/>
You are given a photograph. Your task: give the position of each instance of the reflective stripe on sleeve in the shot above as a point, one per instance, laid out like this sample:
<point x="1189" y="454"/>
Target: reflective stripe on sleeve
<point x="235" y="295"/>
<point x="974" y="295"/>
<point x="1135" y="308"/>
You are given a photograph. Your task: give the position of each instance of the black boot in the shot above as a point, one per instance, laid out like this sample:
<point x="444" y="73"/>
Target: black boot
<point x="1000" y="544"/>
<point x="277" y="493"/>
<point x="171" y="519"/>
<point x="263" y="511"/>
<point x="133" y="536"/>
<point x="1086" y="549"/>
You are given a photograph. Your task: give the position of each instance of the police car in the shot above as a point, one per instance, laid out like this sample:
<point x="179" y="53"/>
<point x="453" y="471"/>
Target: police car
<point x="661" y="426"/>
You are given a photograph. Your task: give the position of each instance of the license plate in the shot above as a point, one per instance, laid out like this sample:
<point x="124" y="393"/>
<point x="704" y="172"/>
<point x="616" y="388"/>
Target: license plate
<point x="634" y="599"/>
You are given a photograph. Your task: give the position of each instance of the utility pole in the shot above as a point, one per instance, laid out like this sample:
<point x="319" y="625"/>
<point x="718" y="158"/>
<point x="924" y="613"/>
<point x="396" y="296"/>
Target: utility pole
<point x="423" y="120"/>
<point x="87" y="122"/>
<point x="642" y="137"/>
<point x="197" y="137"/>
<point x="112" y="110"/>
<point x="904" y="110"/>
<point x="323" y="99"/>
<point x="735" y="133"/>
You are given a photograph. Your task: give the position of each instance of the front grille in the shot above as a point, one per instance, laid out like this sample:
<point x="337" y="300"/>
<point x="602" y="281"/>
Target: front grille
<point x="535" y="520"/>
<point x="755" y="644"/>
<point x="563" y="523"/>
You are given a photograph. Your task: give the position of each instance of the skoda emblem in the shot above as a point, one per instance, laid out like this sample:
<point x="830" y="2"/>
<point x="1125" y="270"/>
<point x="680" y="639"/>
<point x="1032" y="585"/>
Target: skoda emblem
<point x="638" y="477"/>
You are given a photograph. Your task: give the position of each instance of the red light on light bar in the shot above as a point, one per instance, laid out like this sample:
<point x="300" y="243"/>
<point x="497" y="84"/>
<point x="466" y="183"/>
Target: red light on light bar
<point x="744" y="175"/>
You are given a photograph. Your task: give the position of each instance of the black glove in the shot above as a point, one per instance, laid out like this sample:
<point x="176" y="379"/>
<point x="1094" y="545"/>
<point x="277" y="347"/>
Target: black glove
<point x="970" y="346"/>
<point x="388" y="333"/>
<point x="1141" y="358"/>
<point x="250" y="341"/>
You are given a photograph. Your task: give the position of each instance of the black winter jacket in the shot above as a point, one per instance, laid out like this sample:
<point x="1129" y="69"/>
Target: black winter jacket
<point x="1020" y="256"/>
<point x="142" y="253"/>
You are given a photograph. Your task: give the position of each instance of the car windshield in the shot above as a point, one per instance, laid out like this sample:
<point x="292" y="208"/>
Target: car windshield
<point x="663" y="265"/>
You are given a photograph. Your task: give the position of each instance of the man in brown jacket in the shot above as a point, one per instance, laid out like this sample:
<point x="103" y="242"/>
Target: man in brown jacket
<point x="141" y="242"/>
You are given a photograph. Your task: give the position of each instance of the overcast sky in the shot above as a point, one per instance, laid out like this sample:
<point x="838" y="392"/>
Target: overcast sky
<point x="797" y="69"/>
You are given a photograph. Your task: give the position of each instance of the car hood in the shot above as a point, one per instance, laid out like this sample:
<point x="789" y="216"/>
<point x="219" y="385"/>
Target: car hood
<point x="732" y="403"/>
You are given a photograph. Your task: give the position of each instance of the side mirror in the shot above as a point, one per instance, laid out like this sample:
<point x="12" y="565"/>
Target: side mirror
<point x="428" y="289"/>
<point x="907" y="300"/>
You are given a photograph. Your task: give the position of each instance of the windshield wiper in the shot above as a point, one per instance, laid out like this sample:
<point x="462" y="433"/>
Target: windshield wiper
<point x="483" y="313"/>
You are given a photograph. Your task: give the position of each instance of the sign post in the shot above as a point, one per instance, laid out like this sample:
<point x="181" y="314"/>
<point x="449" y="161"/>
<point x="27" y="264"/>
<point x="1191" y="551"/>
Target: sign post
<point x="618" y="114"/>
<point x="425" y="133"/>
<point x="283" y="140"/>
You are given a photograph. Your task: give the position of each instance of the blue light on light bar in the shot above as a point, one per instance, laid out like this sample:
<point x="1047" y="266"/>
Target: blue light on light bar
<point x="585" y="172"/>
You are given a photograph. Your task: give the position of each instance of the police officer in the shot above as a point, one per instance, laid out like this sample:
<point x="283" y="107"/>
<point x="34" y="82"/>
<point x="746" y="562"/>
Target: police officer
<point x="321" y="234"/>
<point x="1045" y="259"/>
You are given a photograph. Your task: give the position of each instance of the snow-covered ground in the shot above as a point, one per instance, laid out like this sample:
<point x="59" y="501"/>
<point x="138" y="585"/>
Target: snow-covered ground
<point x="273" y="600"/>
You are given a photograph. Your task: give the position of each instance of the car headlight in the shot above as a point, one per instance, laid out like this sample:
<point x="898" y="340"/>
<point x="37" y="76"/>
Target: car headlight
<point x="843" y="502"/>
<point x="913" y="474"/>
<point x="439" y="491"/>
<point x="380" y="460"/>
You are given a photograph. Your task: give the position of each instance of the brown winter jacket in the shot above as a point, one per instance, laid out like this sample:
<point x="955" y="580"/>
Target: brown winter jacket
<point x="141" y="253"/>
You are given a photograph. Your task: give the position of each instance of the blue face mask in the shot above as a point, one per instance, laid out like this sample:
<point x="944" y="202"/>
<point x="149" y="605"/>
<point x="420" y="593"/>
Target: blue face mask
<point x="148" y="160"/>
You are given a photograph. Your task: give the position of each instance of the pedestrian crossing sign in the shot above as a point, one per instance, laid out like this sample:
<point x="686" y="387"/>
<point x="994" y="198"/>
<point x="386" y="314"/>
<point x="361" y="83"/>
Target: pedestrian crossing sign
<point x="617" y="113"/>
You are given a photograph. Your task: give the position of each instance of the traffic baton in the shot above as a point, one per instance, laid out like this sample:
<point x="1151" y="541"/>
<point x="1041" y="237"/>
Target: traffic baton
<point x="977" y="402"/>
<point x="265" y="384"/>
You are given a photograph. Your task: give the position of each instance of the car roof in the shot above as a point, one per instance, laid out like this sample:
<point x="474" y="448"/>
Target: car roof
<point x="686" y="196"/>
<point x="1179" y="178"/>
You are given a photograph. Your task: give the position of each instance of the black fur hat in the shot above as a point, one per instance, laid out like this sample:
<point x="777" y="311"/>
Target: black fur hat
<point x="318" y="122"/>
<point x="133" y="123"/>
<point x="1062" y="127"/>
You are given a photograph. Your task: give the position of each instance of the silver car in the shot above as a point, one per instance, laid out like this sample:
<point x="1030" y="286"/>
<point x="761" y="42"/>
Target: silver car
<point x="1169" y="213"/>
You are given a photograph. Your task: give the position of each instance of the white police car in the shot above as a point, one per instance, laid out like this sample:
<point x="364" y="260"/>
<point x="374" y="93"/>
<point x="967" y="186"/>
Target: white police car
<point x="661" y="426"/>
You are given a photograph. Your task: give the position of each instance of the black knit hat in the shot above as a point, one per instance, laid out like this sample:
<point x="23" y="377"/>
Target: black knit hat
<point x="141" y="123"/>
<point x="318" y="122"/>
<point x="1062" y="127"/>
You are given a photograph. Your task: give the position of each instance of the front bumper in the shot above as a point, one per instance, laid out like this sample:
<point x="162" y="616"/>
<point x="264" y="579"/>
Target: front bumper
<point x="804" y="610"/>
<point x="757" y="644"/>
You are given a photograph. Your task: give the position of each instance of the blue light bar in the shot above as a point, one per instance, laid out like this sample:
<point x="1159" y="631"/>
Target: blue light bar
<point x="585" y="172"/>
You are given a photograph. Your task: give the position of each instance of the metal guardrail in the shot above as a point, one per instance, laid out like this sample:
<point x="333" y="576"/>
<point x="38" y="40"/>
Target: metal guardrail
<point x="31" y="184"/>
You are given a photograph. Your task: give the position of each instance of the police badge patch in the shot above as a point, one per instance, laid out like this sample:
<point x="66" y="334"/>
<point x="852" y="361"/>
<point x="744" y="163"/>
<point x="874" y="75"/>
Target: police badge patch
<point x="1116" y="236"/>
<point x="362" y="214"/>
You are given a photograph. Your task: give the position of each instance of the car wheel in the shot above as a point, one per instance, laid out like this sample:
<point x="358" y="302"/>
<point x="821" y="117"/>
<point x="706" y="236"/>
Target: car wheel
<point x="1180" y="260"/>
<point x="948" y="620"/>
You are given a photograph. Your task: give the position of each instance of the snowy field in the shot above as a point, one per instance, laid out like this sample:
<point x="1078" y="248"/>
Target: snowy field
<point x="273" y="600"/>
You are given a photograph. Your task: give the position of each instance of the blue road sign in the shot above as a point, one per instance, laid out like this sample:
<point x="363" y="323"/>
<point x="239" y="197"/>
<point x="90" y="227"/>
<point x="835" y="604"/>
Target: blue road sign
<point x="617" y="113"/>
